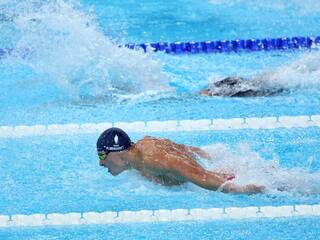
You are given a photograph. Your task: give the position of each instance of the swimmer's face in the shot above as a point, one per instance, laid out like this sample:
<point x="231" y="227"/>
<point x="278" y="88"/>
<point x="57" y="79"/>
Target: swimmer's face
<point x="114" y="162"/>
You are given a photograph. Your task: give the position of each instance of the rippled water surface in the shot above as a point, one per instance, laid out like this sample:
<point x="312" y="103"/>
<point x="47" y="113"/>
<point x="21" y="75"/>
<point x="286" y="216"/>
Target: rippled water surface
<point x="66" y="67"/>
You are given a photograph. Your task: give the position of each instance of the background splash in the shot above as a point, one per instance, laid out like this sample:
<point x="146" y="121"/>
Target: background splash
<point x="64" y="44"/>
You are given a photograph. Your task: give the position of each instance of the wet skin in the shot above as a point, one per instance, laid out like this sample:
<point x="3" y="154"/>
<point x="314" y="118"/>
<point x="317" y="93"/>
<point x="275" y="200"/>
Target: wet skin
<point x="165" y="162"/>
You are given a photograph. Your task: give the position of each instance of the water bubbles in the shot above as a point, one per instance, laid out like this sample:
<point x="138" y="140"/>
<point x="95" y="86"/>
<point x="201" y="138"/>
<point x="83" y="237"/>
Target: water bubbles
<point x="250" y="168"/>
<point x="303" y="73"/>
<point x="66" y="47"/>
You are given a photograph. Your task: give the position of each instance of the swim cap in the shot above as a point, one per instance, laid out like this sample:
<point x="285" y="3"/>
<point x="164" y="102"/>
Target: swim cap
<point x="113" y="140"/>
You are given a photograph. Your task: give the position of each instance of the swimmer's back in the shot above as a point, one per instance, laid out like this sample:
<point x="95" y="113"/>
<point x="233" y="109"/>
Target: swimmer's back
<point x="155" y="150"/>
<point x="240" y="87"/>
<point x="154" y="145"/>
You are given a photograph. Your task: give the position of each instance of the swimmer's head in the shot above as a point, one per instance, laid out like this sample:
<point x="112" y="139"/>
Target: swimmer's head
<point x="112" y="140"/>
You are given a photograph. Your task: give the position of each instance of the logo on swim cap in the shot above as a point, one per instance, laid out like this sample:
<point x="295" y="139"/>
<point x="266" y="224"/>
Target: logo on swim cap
<point x="115" y="146"/>
<point x="113" y="140"/>
<point x="116" y="141"/>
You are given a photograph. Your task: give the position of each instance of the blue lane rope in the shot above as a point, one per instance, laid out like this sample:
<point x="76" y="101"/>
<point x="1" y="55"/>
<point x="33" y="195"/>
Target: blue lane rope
<point x="220" y="46"/>
<point x="5" y="51"/>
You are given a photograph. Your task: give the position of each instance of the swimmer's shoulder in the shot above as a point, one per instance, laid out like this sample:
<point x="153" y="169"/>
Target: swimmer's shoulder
<point x="146" y="140"/>
<point x="149" y="140"/>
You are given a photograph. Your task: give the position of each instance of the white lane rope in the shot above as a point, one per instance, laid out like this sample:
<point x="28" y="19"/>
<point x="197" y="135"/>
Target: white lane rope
<point x="162" y="215"/>
<point x="164" y="126"/>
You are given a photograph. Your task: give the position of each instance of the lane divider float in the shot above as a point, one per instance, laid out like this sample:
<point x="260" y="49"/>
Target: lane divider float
<point x="218" y="46"/>
<point x="223" y="46"/>
<point x="161" y="215"/>
<point x="163" y="126"/>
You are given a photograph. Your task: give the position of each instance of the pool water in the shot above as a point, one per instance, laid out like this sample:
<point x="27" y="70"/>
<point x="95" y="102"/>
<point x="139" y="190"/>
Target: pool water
<point x="67" y="68"/>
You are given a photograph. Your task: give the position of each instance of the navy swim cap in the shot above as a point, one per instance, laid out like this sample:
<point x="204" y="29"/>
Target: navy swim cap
<point x="113" y="140"/>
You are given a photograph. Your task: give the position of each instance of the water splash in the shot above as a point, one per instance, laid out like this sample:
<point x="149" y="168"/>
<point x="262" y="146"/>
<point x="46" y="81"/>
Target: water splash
<point x="65" y="45"/>
<point x="303" y="73"/>
<point x="250" y="168"/>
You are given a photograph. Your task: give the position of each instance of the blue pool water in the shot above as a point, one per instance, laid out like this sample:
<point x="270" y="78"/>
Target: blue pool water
<point x="75" y="73"/>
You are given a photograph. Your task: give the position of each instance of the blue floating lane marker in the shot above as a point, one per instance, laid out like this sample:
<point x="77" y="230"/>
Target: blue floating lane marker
<point x="5" y="51"/>
<point x="237" y="45"/>
<point x="219" y="46"/>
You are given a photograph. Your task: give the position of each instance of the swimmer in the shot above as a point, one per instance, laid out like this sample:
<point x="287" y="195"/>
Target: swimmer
<point x="301" y="73"/>
<point x="241" y="87"/>
<point x="164" y="162"/>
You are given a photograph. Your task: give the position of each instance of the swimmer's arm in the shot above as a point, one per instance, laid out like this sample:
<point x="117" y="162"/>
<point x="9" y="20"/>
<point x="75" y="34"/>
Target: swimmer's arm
<point x="196" y="150"/>
<point x="163" y="180"/>
<point x="190" y="149"/>
<point x="182" y="169"/>
<point x="189" y="170"/>
<point x="193" y="172"/>
<point x="200" y="152"/>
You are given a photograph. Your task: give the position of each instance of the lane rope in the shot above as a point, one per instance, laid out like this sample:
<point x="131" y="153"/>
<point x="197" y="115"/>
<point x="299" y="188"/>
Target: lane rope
<point x="219" y="46"/>
<point x="223" y="46"/>
<point x="163" y="126"/>
<point x="161" y="215"/>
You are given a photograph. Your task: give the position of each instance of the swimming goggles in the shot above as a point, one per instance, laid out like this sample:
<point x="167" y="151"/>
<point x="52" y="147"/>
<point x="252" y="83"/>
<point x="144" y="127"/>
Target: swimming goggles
<point x="102" y="156"/>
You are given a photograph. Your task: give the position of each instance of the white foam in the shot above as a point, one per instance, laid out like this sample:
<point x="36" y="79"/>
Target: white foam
<point x="66" y="46"/>
<point x="250" y="168"/>
<point x="303" y="73"/>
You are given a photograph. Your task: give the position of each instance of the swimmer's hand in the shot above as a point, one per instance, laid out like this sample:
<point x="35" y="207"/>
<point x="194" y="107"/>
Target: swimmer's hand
<point x="226" y="176"/>
<point x="248" y="189"/>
